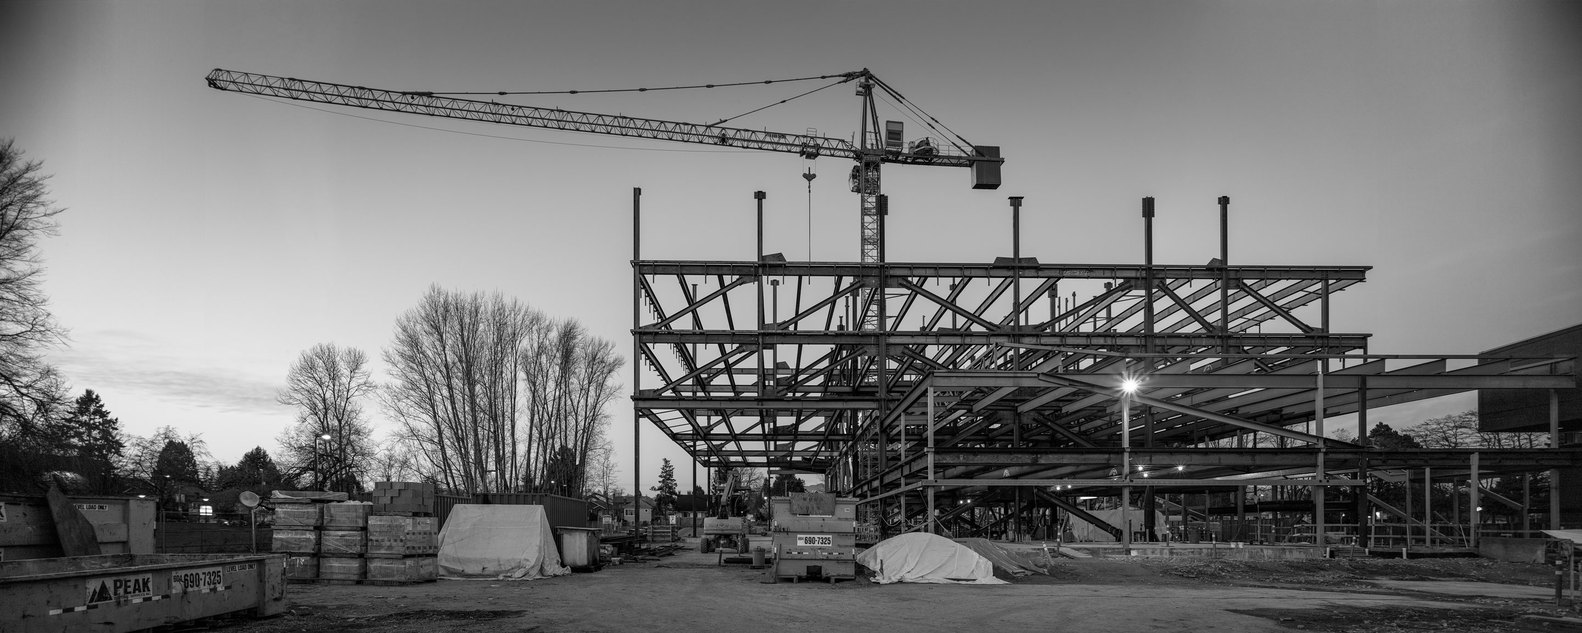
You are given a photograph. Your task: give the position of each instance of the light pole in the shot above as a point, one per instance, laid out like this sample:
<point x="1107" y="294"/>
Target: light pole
<point x="318" y="475"/>
<point x="1128" y="387"/>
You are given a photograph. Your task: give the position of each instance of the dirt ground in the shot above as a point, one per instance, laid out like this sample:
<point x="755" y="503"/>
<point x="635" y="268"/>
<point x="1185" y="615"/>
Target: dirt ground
<point x="690" y="592"/>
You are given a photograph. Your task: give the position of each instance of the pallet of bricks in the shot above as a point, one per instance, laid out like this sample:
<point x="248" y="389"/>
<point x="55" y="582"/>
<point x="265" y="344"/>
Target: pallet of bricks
<point x="347" y="543"/>
<point x="342" y="542"/>
<point x="296" y="534"/>
<point x="403" y="534"/>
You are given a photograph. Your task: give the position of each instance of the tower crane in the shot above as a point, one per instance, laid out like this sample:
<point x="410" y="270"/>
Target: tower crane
<point x="876" y="144"/>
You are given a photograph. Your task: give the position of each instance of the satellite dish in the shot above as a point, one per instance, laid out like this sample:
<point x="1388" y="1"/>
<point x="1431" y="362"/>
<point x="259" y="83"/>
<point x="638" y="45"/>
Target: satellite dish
<point x="249" y="499"/>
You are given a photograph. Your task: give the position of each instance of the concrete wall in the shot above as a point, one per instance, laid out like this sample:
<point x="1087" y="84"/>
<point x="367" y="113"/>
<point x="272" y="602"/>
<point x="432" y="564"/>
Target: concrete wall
<point x="1516" y="550"/>
<point x="1224" y="550"/>
<point x="1528" y="409"/>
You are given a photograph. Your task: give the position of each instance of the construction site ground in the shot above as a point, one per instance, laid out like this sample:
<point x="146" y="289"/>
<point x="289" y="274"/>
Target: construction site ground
<point x="689" y="591"/>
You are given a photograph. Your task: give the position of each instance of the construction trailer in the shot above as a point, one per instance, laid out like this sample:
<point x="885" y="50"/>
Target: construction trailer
<point x="1003" y="399"/>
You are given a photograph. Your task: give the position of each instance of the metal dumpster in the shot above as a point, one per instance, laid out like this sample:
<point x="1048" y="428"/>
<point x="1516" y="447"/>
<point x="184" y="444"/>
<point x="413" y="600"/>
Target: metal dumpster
<point x="131" y="592"/>
<point x="579" y="548"/>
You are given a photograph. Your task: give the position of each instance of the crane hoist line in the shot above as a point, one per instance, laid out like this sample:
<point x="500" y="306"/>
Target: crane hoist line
<point x="878" y="142"/>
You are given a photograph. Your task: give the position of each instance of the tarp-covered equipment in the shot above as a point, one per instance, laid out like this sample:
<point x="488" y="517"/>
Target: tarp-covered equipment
<point x="927" y="558"/>
<point x="506" y="542"/>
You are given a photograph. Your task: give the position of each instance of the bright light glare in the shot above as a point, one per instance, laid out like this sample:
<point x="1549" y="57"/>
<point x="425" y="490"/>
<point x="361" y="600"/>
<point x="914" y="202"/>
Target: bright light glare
<point x="1129" y="385"/>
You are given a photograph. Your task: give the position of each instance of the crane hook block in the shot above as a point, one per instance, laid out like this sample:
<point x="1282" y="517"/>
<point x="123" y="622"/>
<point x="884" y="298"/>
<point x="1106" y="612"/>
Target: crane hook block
<point x="986" y="170"/>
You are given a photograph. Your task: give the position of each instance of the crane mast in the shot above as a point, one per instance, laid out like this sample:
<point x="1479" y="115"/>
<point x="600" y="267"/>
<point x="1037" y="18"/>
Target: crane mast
<point x="869" y="152"/>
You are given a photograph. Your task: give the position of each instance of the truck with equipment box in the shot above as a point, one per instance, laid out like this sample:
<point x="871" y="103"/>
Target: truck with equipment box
<point x="815" y="537"/>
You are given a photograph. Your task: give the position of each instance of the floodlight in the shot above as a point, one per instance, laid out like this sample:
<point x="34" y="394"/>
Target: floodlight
<point x="1129" y="385"/>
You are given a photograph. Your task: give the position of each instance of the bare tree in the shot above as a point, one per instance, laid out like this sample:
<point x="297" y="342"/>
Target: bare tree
<point x="1458" y="430"/>
<point x="570" y="381"/>
<point x="142" y="460"/>
<point x="31" y="391"/>
<point x="494" y="396"/>
<point x="395" y="461"/>
<point x="454" y="392"/>
<point x="331" y="437"/>
<point x="603" y="472"/>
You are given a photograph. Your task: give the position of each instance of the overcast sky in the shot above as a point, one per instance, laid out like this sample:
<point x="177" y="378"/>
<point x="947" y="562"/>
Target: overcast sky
<point x="211" y="237"/>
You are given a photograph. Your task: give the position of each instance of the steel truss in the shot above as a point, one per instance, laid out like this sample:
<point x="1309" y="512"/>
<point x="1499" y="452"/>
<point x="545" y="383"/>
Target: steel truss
<point x="998" y="384"/>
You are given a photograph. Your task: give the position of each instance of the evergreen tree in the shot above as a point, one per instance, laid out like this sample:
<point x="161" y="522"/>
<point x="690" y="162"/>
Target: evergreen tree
<point x="665" y="492"/>
<point x="786" y="483"/>
<point x="256" y="472"/>
<point x="1382" y="437"/>
<point x="91" y="441"/>
<point x="177" y="463"/>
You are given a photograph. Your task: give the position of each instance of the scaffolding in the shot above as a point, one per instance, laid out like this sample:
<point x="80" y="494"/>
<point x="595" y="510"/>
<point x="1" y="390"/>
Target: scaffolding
<point x="986" y="399"/>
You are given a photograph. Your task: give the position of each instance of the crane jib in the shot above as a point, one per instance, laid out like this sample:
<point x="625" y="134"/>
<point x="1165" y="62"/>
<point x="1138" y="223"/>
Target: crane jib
<point x="428" y="104"/>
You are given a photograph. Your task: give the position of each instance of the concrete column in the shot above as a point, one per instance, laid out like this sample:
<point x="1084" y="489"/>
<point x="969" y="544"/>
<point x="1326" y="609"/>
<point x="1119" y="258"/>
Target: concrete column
<point x="928" y="484"/>
<point x="1554" y="473"/>
<point x="1428" y="506"/>
<point x="1472" y="512"/>
<point x="1126" y="474"/>
<point x="1318" y="429"/>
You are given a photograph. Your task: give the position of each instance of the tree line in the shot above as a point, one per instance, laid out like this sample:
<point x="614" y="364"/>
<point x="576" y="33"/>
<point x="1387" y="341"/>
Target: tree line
<point x="486" y="394"/>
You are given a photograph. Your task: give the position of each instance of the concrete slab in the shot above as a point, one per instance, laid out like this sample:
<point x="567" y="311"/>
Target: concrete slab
<point x="1471" y="589"/>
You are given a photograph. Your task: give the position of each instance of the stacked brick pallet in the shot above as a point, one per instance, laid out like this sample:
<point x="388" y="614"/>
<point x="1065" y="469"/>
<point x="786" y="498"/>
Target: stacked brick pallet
<point x="342" y="542"/>
<point x="402" y="549"/>
<point x="398" y="497"/>
<point x="348" y="543"/>
<point x="296" y="534"/>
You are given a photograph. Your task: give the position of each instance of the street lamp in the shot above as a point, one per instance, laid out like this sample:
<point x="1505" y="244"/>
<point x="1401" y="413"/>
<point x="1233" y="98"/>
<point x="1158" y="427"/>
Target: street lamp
<point x="1128" y="387"/>
<point x="317" y="474"/>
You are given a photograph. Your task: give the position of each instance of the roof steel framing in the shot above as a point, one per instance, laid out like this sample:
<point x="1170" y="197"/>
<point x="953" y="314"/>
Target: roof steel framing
<point x="1234" y="351"/>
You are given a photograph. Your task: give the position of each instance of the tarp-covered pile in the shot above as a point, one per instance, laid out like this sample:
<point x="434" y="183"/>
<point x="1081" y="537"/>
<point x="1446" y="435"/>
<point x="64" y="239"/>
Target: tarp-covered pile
<point x="927" y="558"/>
<point x="1002" y="560"/>
<point x="506" y="542"/>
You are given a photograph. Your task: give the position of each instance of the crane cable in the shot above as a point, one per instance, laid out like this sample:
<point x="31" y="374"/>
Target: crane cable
<point x="844" y="77"/>
<point x="780" y="102"/>
<point x="932" y="123"/>
<point x="496" y="136"/>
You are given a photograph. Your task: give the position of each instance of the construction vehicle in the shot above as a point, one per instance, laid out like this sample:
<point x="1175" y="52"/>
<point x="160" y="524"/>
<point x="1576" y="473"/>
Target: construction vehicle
<point x="876" y="144"/>
<point x="720" y="529"/>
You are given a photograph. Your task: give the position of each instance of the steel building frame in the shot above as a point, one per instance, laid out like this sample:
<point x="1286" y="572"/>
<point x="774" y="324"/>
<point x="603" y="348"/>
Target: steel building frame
<point x="901" y="382"/>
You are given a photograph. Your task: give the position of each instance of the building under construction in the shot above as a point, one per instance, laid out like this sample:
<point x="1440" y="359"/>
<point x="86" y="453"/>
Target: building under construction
<point x="1006" y="399"/>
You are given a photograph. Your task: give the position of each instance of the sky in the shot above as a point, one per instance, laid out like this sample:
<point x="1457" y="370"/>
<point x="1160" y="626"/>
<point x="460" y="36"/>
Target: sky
<point x="209" y="237"/>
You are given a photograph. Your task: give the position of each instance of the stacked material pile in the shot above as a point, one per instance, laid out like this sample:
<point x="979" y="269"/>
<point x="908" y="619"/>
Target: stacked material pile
<point x="402" y="548"/>
<point x="350" y="543"/>
<point x="396" y="497"/>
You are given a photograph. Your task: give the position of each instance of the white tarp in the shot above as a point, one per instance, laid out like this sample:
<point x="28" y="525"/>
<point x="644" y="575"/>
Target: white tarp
<point x="927" y="558"/>
<point x="506" y="542"/>
<point x="1575" y="536"/>
<point x="1082" y="531"/>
